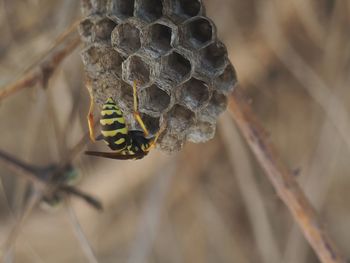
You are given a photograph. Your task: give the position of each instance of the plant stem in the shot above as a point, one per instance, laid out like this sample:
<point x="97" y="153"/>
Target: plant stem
<point x="283" y="180"/>
<point x="41" y="71"/>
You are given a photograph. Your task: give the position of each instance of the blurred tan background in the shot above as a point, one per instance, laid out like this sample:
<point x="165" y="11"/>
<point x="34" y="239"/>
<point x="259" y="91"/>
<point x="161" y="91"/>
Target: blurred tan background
<point x="210" y="202"/>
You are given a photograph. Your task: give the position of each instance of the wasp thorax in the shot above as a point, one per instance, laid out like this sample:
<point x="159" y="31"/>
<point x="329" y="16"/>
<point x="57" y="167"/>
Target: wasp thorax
<point x="170" y="48"/>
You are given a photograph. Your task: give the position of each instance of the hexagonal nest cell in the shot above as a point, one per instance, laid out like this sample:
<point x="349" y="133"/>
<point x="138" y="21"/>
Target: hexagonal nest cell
<point x="227" y="80"/>
<point x="198" y="32"/>
<point x="103" y="88"/>
<point x="217" y="104"/>
<point x="214" y="58"/>
<point x="186" y="8"/>
<point x="149" y="10"/>
<point x="170" y="48"/>
<point x="136" y="69"/>
<point x="160" y="38"/>
<point x="122" y="9"/>
<point x="126" y="38"/>
<point x="175" y="68"/>
<point x="126" y="96"/>
<point x="103" y="29"/>
<point x="85" y="29"/>
<point x="201" y="132"/>
<point x="102" y="59"/>
<point x="151" y="123"/>
<point x="180" y="119"/>
<point x="154" y="101"/>
<point x="194" y="94"/>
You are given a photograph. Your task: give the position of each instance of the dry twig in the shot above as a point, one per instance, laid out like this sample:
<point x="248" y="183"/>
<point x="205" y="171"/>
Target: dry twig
<point x="238" y="155"/>
<point x="40" y="175"/>
<point x="42" y="71"/>
<point x="79" y="232"/>
<point x="283" y="180"/>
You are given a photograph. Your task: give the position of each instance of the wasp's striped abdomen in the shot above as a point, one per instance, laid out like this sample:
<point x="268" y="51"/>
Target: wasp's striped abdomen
<point x="127" y="144"/>
<point x="113" y="127"/>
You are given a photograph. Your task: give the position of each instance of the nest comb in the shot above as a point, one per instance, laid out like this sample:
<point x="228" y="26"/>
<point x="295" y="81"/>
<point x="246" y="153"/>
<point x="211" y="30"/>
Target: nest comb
<point x="171" y="49"/>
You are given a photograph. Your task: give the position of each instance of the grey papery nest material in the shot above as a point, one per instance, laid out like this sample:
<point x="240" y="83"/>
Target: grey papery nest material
<point x="171" y="49"/>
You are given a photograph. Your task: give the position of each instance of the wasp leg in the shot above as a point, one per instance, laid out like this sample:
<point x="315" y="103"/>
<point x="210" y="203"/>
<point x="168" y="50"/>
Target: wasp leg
<point x="136" y="111"/>
<point x="90" y="118"/>
<point x="153" y="143"/>
<point x="142" y="124"/>
<point x="155" y="138"/>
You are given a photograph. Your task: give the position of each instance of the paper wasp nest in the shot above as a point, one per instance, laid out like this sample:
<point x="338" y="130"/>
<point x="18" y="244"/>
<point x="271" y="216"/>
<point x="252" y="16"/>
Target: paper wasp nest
<point x="171" y="49"/>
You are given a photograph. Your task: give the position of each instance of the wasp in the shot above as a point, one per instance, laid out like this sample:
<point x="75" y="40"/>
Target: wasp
<point x="126" y="144"/>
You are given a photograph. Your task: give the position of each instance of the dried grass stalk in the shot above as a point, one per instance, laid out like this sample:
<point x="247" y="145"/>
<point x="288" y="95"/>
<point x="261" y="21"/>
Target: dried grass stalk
<point x="283" y="180"/>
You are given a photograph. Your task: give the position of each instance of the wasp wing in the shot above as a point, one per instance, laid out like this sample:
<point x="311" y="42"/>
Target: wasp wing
<point x="116" y="156"/>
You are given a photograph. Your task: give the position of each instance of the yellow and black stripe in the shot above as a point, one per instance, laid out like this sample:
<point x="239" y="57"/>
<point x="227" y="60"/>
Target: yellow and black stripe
<point x="113" y="128"/>
<point x="127" y="144"/>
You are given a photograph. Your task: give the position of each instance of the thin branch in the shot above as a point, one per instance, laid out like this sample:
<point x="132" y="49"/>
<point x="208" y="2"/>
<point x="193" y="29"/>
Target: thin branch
<point x="41" y="176"/>
<point x="79" y="232"/>
<point x="283" y="180"/>
<point x="240" y="162"/>
<point x="88" y="198"/>
<point x="15" y="230"/>
<point x="42" y="71"/>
